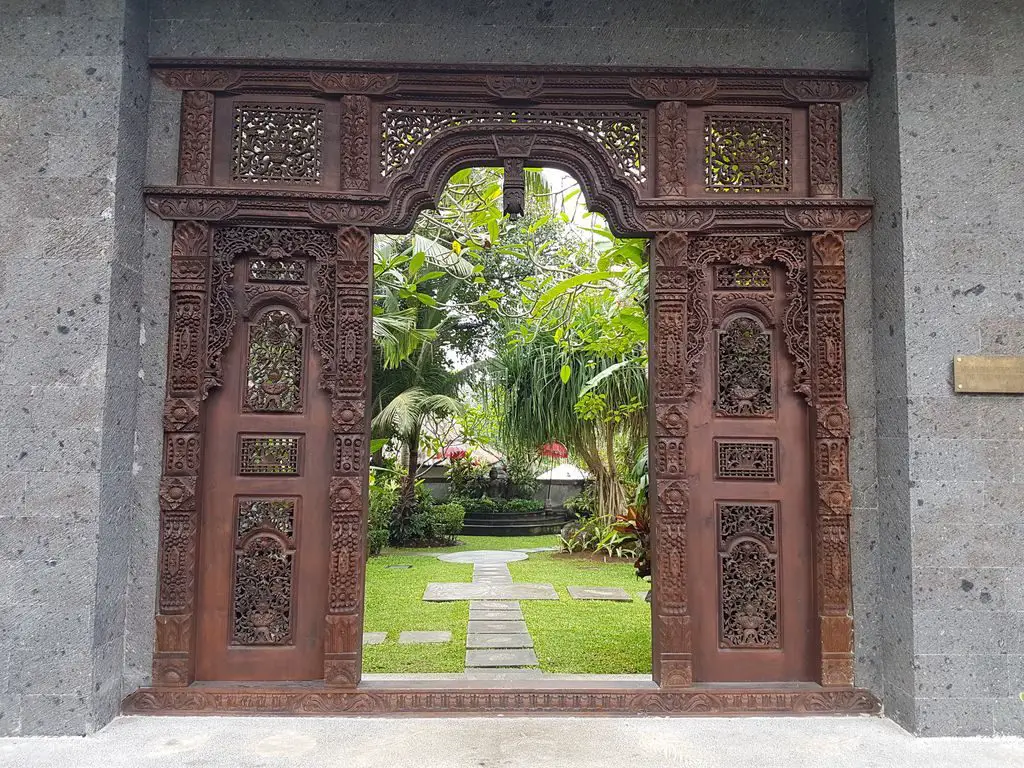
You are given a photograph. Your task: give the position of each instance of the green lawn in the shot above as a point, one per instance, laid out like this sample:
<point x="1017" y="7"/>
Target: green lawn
<point x="570" y="636"/>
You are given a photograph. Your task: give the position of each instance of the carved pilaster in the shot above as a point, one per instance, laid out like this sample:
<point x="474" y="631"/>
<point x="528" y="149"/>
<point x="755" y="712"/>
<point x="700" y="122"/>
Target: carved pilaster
<point x="673" y="666"/>
<point x="824" y="149"/>
<point x="355" y="143"/>
<point x="173" y="663"/>
<point x="671" y="126"/>
<point x="348" y="491"/>
<point x="832" y="448"/>
<point x="195" y="151"/>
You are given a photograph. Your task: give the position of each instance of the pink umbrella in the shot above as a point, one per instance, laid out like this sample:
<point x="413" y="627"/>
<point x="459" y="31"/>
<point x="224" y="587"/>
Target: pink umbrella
<point x="553" y="450"/>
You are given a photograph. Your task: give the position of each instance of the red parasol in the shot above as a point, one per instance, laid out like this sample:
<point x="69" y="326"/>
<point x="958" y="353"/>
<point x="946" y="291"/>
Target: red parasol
<point x="553" y="450"/>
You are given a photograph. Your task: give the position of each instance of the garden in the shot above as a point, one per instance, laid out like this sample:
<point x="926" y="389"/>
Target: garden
<point x="507" y="349"/>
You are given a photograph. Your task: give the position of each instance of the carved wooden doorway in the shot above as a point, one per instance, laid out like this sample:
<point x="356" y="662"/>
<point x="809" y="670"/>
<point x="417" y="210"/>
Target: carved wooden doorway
<point x="285" y="173"/>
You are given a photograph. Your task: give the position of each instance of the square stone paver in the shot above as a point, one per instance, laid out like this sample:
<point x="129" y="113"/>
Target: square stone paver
<point x="442" y="592"/>
<point x="617" y="594"/>
<point x="498" y="627"/>
<point x="520" y="657"/>
<point x="374" y="638"/>
<point x="411" y="637"/>
<point x="516" y="640"/>
<point x="479" y="615"/>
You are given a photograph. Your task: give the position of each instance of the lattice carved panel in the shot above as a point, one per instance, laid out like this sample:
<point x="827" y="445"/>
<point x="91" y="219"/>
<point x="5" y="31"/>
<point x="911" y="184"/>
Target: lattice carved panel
<point x="747" y="153"/>
<point x="729" y="277"/>
<point x="621" y="133"/>
<point x="745" y="375"/>
<point x="262" y="588"/>
<point x="278" y="143"/>
<point x="274" y="373"/>
<point x="745" y="460"/>
<point x="269" y="455"/>
<point x="749" y="575"/>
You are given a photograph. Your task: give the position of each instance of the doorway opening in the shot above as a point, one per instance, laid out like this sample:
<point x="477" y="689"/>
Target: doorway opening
<point x="509" y="528"/>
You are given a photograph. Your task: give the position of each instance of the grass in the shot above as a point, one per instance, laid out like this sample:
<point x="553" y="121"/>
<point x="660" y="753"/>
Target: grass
<point x="394" y="602"/>
<point x="586" y="636"/>
<point x="570" y="636"/>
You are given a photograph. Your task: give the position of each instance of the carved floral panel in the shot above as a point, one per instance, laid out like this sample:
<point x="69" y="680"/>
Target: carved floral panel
<point x="746" y="460"/>
<point x="749" y="575"/>
<point x="278" y="143"/>
<point x="273" y="381"/>
<point x="263" y="575"/>
<point x="747" y="153"/>
<point x="622" y="133"/>
<point x="744" y="369"/>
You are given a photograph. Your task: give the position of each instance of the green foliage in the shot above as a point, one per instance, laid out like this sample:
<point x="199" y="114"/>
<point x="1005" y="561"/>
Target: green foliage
<point x="446" y="521"/>
<point x="522" y="506"/>
<point x="584" y="503"/>
<point x="479" y="506"/>
<point x="466" y="478"/>
<point x="383" y="498"/>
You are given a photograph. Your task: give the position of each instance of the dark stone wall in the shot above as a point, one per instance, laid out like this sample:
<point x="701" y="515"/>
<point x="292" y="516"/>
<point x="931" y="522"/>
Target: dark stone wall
<point x="73" y="99"/>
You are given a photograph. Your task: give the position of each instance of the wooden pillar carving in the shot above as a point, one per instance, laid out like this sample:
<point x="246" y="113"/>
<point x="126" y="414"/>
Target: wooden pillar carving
<point x="673" y="665"/>
<point x="349" y="493"/>
<point x="671" y="128"/>
<point x="355" y="143"/>
<point x="195" y="150"/>
<point x="832" y="450"/>
<point x="824" y="149"/>
<point x="173" y="659"/>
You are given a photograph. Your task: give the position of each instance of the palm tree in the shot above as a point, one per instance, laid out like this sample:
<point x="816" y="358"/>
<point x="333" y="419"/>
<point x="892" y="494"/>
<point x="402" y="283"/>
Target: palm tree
<point x="537" y="403"/>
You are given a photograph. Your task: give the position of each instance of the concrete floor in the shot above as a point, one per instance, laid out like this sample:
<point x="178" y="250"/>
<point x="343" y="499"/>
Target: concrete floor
<point x="246" y="742"/>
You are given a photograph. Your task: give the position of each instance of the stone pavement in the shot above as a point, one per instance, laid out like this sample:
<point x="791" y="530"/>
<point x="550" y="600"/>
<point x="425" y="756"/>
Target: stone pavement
<point x="508" y="742"/>
<point x="496" y="637"/>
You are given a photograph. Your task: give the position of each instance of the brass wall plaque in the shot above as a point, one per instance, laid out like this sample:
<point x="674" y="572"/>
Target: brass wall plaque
<point x="994" y="374"/>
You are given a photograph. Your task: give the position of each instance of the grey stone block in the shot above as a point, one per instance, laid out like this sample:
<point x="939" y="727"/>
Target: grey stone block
<point x="955" y="717"/>
<point x="480" y="615"/>
<point x="509" y="640"/>
<point x="45" y="715"/>
<point x="963" y="632"/>
<point x="973" y="589"/>
<point x="494" y="605"/>
<point x="444" y="592"/>
<point x="616" y="594"/>
<point x="374" y="638"/>
<point x="415" y="637"/>
<point x="497" y="627"/>
<point x="498" y="674"/>
<point x="483" y="557"/>
<point x="501" y="658"/>
<point x="960" y="676"/>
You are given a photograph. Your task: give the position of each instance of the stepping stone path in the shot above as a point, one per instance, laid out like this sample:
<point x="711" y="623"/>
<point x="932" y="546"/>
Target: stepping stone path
<point x="498" y="643"/>
<point x="415" y="637"/>
<point x="374" y="638"/>
<point x="617" y="594"/>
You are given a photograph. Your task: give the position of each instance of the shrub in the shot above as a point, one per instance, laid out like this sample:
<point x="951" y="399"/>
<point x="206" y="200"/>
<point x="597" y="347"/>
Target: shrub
<point x="383" y="498"/>
<point x="584" y="503"/>
<point x="467" y="478"/>
<point x="482" y="506"/>
<point x="446" y="521"/>
<point x="522" y="506"/>
<point x="578" y="536"/>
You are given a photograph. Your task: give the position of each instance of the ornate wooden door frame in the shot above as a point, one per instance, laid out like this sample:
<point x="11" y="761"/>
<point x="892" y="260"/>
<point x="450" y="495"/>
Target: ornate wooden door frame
<point x="379" y="143"/>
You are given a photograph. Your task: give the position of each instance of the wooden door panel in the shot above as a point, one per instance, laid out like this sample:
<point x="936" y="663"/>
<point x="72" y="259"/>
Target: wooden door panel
<point x="267" y="463"/>
<point x="751" y="515"/>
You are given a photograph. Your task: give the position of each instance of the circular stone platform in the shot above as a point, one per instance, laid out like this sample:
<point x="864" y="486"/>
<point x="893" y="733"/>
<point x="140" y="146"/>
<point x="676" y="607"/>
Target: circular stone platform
<point x="483" y="556"/>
